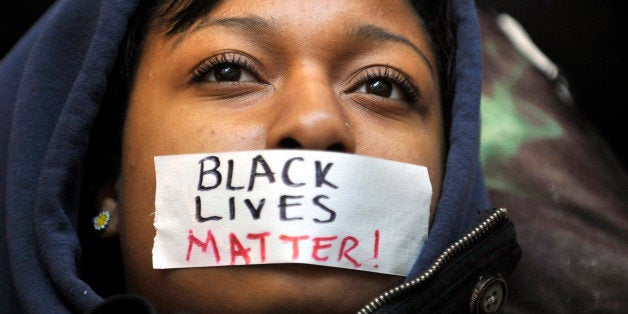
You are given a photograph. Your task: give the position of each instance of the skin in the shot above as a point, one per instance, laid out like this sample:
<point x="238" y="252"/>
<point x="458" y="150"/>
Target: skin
<point x="306" y="91"/>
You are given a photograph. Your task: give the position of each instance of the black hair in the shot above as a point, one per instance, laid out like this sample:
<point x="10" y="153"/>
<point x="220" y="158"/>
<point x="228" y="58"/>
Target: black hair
<point x="438" y="19"/>
<point x="104" y="153"/>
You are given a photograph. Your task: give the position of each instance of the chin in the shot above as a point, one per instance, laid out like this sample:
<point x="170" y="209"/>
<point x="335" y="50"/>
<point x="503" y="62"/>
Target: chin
<point x="277" y="288"/>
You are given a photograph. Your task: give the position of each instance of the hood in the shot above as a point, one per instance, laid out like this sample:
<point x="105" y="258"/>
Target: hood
<point x="51" y="86"/>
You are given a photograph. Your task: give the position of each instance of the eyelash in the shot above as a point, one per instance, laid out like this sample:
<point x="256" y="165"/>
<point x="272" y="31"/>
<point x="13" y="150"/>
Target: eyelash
<point x="409" y="89"/>
<point x="225" y="58"/>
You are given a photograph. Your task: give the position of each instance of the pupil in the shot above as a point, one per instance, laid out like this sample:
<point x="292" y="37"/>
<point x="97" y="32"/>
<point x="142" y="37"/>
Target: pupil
<point x="227" y="73"/>
<point x="379" y="87"/>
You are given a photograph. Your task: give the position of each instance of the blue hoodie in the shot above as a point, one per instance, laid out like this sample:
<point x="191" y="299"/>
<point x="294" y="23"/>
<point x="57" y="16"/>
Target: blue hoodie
<point x="51" y="86"/>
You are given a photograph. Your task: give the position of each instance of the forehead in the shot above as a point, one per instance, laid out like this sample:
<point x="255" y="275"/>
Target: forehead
<point x="369" y="9"/>
<point x="180" y="16"/>
<point x="284" y="20"/>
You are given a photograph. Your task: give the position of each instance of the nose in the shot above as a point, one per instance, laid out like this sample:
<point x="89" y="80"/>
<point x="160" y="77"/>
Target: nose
<point x="310" y="115"/>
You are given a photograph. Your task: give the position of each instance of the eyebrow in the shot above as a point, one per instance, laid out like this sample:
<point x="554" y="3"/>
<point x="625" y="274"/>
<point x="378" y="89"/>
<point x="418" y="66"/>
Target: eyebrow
<point x="257" y="25"/>
<point x="376" y="33"/>
<point x="250" y="24"/>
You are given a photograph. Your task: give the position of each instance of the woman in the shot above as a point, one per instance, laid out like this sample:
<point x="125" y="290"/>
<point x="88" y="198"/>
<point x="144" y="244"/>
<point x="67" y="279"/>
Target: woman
<point x="193" y="76"/>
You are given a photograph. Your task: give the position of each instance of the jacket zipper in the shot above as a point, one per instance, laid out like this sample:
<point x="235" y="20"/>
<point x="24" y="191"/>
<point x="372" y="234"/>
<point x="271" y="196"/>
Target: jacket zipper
<point x="498" y="215"/>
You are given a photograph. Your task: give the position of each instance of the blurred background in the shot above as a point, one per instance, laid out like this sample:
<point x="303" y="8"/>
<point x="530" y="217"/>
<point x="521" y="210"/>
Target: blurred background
<point x="587" y="40"/>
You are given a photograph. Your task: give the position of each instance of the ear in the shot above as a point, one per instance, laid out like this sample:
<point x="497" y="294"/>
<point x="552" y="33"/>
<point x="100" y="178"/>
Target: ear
<point x="105" y="221"/>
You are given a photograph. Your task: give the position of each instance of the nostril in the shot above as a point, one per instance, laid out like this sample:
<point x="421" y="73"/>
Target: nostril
<point x="337" y="147"/>
<point x="289" y="143"/>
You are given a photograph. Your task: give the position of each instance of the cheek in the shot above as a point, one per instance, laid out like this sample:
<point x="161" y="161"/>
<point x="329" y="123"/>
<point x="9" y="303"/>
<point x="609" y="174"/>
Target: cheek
<point x="408" y="142"/>
<point x="414" y="142"/>
<point x="155" y="128"/>
<point x="136" y="202"/>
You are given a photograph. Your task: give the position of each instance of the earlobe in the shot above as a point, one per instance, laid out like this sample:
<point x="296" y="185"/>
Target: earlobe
<point x="105" y="222"/>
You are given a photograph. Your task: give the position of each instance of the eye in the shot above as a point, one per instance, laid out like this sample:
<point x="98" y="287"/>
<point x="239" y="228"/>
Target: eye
<point x="229" y="73"/>
<point x="387" y="83"/>
<point x="228" y="67"/>
<point x="381" y="87"/>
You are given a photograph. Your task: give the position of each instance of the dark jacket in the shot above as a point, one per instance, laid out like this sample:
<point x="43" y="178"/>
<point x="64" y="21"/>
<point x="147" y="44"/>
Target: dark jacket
<point x="51" y="86"/>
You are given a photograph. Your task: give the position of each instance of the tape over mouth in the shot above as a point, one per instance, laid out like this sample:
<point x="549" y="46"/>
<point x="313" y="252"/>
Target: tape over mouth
<point x="289" y="206"/>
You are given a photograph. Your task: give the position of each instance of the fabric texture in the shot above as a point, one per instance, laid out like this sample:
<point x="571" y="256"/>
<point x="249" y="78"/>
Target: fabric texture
<point x="51" y="87"/>
<point x="52" y="84"/>
<point x="463" y="195"/>
<point x="451" y="289"/>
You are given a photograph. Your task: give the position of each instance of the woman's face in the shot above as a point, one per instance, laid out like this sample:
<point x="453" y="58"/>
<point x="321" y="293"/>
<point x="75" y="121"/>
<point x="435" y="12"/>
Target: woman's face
<point x="352" y="76"/>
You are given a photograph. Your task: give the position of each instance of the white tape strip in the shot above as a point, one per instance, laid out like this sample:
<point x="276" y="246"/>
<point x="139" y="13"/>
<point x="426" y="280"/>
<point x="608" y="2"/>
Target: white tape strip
<point x="289" y="206"/>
